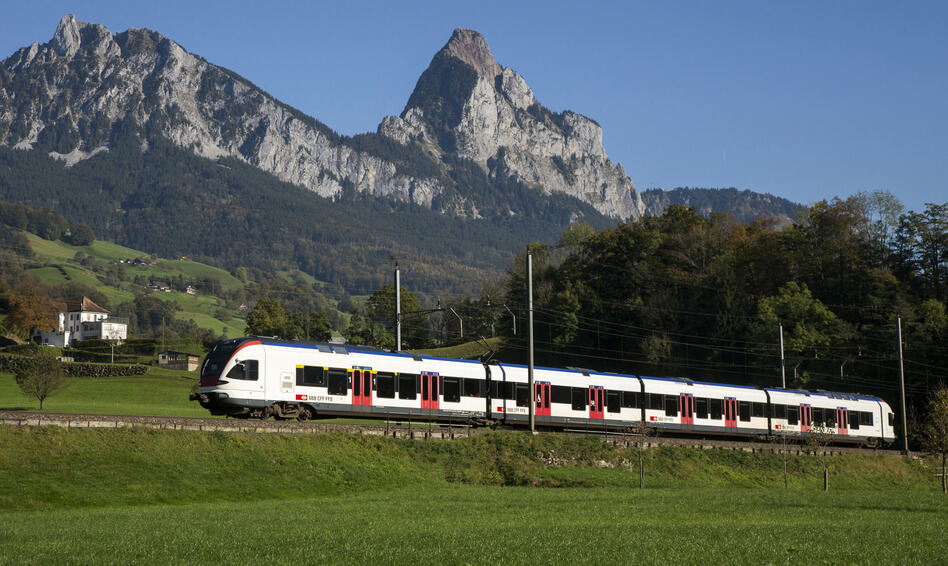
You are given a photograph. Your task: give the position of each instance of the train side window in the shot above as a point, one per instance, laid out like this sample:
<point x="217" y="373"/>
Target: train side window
<point x="671" y="406"/>
<point x="656" y="401"/>
<point x="780" y="411"/>
<point x="579" y="398"/>
<point x="253" y="370"/>
<point x="891" y="419"/>
<point x="854" y="420"/>
<point x="507" y="391"/>
<point x="523" y="395"/>
<point x="793" y="415"/>
<point x="560" y="394"/>
<point x="630" y="399"/>
<point x="385" y="385"/>
<point x="338" y="382"/>
<point x="830" y="416"/>
<point x="701" y="408"/>
<point x="613" y="404"/>
<point x="716" y="408"/>
<point x="311" y="375"/>
<point x="865" y="418"/>
<point x="451" y="389"/>
<point x="757" y="410"/>
<point x="472" y="387"/>
<point x="407" y="386"/>
<point x="495" y="389"/>
<point x="744" y="411"/>
<point x="817" y="416"/>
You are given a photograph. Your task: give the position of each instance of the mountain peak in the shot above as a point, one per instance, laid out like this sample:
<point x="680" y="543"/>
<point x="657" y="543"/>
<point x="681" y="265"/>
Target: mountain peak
<point x="471" y="47"/>
<point x="72" y="34"/>
<point x="66" y="40"/>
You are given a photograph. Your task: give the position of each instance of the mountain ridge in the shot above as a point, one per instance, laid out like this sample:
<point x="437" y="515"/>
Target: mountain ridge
<point x="160" y="150"/>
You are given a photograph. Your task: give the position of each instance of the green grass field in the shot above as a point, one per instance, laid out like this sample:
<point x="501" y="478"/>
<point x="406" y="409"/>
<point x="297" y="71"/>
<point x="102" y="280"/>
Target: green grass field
<point x="159" y="393"/>
<point x="135" y="496"/>
<point x="484" y="525"/>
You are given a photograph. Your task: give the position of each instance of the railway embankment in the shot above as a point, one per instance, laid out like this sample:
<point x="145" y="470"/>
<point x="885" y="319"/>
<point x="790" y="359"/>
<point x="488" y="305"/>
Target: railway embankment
<point x="53" y="466"/>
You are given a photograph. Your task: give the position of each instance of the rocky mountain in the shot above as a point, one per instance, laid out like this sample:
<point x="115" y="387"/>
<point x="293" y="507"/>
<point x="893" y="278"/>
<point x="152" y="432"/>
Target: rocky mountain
<point x="466" y="104"/>
<point x="157" y="149"/>
<point x="68" y="94"/>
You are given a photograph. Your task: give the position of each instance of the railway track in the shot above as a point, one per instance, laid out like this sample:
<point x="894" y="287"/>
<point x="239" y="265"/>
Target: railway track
<point x="395" y="429"/>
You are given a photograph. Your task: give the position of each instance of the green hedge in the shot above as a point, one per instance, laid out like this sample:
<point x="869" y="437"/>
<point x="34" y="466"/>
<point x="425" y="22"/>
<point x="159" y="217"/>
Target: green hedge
<point x="21" y="364"/>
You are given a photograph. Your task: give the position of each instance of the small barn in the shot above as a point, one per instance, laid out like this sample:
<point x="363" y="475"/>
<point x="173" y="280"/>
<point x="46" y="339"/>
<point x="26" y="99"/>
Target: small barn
<point x="178" y="360"/>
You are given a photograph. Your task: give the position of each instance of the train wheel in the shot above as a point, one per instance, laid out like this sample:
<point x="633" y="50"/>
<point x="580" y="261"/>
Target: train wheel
<point x="305" y="414"/>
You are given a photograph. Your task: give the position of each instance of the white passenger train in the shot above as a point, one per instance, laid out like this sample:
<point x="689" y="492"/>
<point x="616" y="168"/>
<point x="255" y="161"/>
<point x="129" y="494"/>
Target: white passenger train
<point x="258" y="377"/>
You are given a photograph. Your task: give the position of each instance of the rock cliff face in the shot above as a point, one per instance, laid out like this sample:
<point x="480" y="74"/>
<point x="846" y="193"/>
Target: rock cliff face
<point x="467" y="104"/>
<point x="85" y="80"/>
<point x="68" y="96"/>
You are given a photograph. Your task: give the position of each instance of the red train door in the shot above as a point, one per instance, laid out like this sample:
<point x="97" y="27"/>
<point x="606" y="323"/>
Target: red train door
<point x="597" y="398"/>
<point x="429" y="390"/>
<point x="542" y="399"/>
<point x="686" y="407"/>
<point x="842" y="420"/>
<point x="730" y="412"/>
<point x="361" y="386"/>
<point x="806" y="418"/>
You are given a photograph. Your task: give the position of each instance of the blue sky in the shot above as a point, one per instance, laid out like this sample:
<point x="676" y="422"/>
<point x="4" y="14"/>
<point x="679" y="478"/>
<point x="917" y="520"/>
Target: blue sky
<point x="805" y="100"/>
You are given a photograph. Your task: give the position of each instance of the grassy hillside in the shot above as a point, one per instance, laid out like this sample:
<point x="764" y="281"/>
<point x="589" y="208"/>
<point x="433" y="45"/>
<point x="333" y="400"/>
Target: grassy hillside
<point x="55" y="264"/>
<point x="50" y="467"/>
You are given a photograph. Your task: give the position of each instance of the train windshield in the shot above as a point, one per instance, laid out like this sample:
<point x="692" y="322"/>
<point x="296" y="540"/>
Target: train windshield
<point x="217" y="358"/>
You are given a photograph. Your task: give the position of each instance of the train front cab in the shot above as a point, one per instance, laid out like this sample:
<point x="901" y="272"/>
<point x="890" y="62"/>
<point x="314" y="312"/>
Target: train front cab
<point x="232" y="380"/>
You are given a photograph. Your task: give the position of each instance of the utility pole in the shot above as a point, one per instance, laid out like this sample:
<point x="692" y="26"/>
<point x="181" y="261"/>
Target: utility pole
<point x="530" y="386"/>
<point x="398" y="310"/>
<point x="783" y="362"/>
<point x="902" y="381"/>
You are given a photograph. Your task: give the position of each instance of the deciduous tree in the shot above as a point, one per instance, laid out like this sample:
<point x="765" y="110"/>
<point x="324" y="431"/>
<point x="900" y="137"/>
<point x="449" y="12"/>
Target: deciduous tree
<point x="30" y="308"/>
<point x="42" y="380"/>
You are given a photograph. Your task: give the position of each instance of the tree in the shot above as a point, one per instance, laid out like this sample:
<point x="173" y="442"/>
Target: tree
<point x="267" y="318"/>
<point x="362" y="330"/>
<point x="816" y="441"/>
<point x="642" y="432"/>
<point x="934" y="431"/>
<point x="312" y="325"/>
<point x="81" y="235"/>
<point x="808" y="324"/>
<point x="30" y="308"/>
<point x="381" y="309"/>
<point x="42" y="380"/>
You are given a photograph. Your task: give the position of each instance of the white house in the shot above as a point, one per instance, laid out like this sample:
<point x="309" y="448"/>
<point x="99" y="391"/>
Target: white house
<point x="82" y="319"/>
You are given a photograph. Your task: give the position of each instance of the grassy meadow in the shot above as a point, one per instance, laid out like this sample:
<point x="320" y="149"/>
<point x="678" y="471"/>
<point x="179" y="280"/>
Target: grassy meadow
<point x="136" y="496"/>
<point x="160" y="392"/>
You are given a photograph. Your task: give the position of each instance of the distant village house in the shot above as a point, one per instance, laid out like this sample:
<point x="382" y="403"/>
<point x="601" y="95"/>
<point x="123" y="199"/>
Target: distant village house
<point x="178" y="360"/>
<point x="159" y="286"/>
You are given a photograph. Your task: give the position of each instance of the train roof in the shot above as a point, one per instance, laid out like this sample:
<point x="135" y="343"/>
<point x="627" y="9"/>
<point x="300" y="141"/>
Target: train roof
<point x="827" y="394"/>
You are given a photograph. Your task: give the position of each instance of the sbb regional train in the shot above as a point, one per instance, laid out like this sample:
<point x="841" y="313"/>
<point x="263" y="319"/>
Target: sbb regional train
<point x="258" y="377"/>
